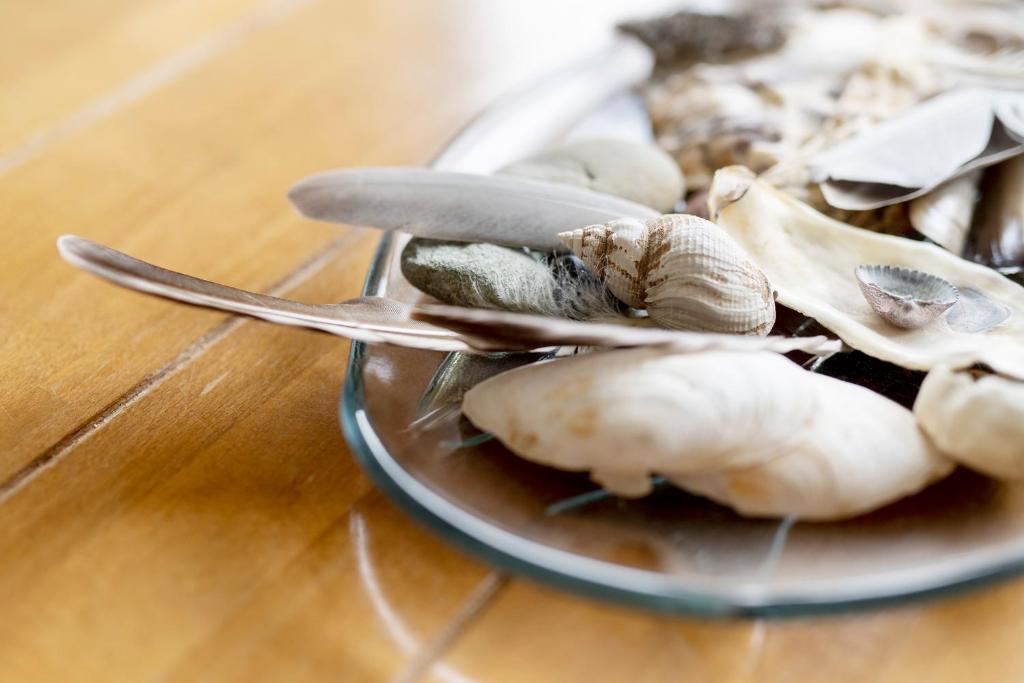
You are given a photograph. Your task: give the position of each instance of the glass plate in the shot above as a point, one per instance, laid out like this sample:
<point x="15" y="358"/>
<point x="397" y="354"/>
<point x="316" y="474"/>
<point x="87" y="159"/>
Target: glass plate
<point x="669" y="551"/>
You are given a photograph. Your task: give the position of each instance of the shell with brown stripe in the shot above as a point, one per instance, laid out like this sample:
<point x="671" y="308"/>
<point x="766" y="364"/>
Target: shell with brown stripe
<point x="686" y="271"/>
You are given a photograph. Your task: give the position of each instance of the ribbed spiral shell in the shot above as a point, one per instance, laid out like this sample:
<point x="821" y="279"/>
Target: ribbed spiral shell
<point x="684" y="270"/>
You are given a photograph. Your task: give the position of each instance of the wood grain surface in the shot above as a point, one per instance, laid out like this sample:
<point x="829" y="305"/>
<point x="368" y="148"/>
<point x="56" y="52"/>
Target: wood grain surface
<point x="176" y="500"/>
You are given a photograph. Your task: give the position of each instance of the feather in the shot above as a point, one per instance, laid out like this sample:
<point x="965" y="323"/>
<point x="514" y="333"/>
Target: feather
<point x="368" y="319"/>
<point x="385" y="321"/>
<point x="509" y="330"/>
<point x="457" y="206"/>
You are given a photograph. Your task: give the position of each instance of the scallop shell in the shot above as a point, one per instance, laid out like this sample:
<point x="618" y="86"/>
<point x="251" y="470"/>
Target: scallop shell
<point x="809" y="259"/>
<point x="751" y="430"/>
<point x="684" y="270"/>
<point x="976" y="418"/>
<point x="905" y="297"/>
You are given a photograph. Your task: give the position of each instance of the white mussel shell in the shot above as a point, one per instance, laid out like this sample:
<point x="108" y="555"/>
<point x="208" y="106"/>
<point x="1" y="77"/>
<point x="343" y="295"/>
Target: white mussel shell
<point x="683" y="269"/>
<point x="905" y="297"/>
<point x="751" y="430"/>
<point x="944" y="214"/>
<point x="976" y="418"/>
<point x="810" y="259"/>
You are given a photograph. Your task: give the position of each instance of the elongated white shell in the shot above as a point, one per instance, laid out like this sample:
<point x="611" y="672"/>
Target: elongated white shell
<point x="684" y="270"/>
<point x="751" y="430"/>
<point x="810" y="259"/>
<point x="975" y="418"/>
<point x="944" y="214"/>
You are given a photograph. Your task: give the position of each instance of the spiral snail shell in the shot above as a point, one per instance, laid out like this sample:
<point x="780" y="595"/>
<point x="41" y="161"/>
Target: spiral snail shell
<point x="684" y="270"/>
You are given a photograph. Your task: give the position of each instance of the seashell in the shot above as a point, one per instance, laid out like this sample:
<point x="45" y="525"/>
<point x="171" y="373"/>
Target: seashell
<point x="460" y="207"/>
<point x="997" y="234"/>
<point x="944" y="214"/>
<point x="684" y="270"/>
<point x="751" y="430"/>
<point x="905" y="297"/>
<point x="636" y="171"/>
<point x="479" y="275"/>
<point x="809" y="257"/>
<point x="975" y="417"/>
<point x="975" y="312"/>
<point x="689" y="34"/>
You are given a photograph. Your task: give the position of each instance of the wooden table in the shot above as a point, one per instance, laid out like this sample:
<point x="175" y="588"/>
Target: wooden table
<point x="176" y="500"/>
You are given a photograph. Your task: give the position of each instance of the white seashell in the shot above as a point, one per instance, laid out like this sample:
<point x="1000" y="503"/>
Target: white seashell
<point x="905" y="297"/>
<point x="640" y="172"/>
<point x="684" y="270"/>
<point x="809" y="259"/>
<point x="944" y="214"/>
<point x="751" y="430"/>
<point x="976" y="418"/>
<point x="457" y="206"/>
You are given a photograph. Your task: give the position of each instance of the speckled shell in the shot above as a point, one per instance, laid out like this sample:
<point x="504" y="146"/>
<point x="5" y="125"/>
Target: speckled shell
<point x="684" y="270"/>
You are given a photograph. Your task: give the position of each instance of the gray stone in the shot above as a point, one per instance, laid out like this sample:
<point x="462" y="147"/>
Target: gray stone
<point x="479" y="275"/>
<point x="637" y="171"/>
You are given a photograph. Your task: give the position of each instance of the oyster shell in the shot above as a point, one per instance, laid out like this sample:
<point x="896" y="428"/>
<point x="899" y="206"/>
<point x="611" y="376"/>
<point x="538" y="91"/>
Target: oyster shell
<point x="684" y="270"/>
<point x="751" y="430"/>
<point x="809" y="258"/>
<point x="905" y="297"/>
<point x="976" y="418"/>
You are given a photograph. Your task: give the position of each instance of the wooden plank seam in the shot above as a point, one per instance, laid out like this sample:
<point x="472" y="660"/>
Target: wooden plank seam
<point x="149" y="81"/>
<point x="193" y="351"/>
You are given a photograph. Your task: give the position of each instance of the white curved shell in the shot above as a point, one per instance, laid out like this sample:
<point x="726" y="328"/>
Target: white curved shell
<point x="944" y="214"/>
<point x="810" y="259"/>
<point x="861" y="452"/>
<point x="684" y="270"/>
<point x="975" y="418"/>
<point x="640" y="172"/>
<point x="752" y="430"/>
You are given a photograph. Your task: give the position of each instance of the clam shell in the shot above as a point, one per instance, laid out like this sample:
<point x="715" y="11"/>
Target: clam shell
<point x="905" y="297"/>
<point x="684" y="270"/>
<point x="751" y="430"/>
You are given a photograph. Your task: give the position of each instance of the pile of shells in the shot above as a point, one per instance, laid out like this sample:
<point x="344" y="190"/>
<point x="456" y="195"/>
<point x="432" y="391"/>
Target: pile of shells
<point x="795" y="173"/>
<point x="800" y="143"/>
